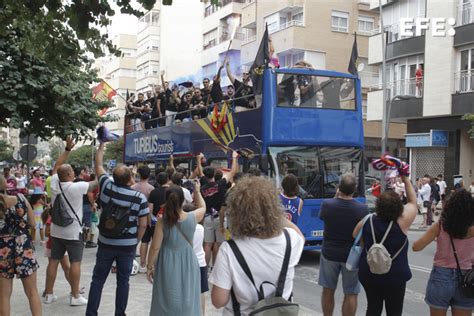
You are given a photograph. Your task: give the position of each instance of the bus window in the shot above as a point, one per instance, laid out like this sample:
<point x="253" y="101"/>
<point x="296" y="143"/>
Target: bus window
<point x="336" y="161"/>
<point x="295" y="90"/>
<point x="303" y="162"/>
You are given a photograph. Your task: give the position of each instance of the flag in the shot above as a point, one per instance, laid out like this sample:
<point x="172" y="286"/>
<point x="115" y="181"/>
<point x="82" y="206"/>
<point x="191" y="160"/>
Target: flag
<point x="103" y="92"/>
<point x="219" y="119"/>
<point x="354" y="56"/>
<point x="260" y="63"/>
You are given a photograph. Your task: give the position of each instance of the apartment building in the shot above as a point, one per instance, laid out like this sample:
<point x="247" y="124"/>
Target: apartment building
<point x="429" y="83"/>
<point x="219" y="24"/>
<point x="148" y="50"/>
<point x="320" y="32"/>
<point x="120" y="73"/>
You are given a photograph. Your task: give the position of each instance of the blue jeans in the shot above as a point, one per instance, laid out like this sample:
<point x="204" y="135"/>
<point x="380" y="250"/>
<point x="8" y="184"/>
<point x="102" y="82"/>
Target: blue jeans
<point x="105" y="258"/>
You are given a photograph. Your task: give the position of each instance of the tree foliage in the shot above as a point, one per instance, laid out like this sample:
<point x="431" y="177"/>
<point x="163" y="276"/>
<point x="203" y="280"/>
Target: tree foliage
<point x="81" y="156"/>
<point x="470" y="117"/>
<point x="6" y="151"/>
<point x="114" y="151"/>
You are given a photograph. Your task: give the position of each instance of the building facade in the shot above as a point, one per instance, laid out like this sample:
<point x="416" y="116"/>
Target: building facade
<point x="121" y="74"/>
<point x="432" y="74"/>
<point x="321" y="32"/>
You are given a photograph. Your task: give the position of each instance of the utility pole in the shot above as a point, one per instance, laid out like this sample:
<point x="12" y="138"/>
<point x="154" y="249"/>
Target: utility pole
<point x="384" y="92"/>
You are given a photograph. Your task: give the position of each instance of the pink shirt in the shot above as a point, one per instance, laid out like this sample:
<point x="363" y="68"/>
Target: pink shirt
<point x="37" y="183"/>
<point x="444" y="256"/>
<point x="143" y="187"/>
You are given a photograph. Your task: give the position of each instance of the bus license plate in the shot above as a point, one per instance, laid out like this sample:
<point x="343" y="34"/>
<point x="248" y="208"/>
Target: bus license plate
<point x="317" y="233"/>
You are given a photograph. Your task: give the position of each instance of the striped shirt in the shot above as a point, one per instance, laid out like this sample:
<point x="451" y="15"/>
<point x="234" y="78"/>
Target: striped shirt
<point x="123" y="196"/>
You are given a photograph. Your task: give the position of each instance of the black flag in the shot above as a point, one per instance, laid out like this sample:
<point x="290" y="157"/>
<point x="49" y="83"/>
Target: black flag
<point x="260" y="64"/>
<point x="354" y="56"/>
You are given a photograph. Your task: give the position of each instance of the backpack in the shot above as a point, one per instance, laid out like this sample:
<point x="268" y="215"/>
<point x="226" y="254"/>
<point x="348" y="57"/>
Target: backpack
<point x="114" y="219"/>
<point x="270" y="306"/>
<point x="378" y="257"/>
<point x="59" y="214"/>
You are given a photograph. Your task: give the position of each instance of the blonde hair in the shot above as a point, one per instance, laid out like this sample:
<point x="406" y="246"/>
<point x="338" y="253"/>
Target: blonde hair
<point x="254" y="209"/>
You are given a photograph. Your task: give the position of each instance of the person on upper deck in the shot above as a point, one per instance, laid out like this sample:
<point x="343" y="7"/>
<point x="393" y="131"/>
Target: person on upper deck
<point x="245" y="99"/>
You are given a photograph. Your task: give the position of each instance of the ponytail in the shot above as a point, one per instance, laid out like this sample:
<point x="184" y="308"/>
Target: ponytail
<point x="174" y="203"/>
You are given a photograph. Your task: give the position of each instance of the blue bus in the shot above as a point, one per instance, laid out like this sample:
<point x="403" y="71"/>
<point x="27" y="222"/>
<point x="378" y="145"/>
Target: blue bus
<point x="307" y="122"/>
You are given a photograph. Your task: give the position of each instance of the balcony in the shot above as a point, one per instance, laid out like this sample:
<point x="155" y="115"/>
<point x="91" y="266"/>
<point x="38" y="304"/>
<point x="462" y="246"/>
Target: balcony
<point x="249" y="39"/>
<point x="375" y="3"/>
<point x="286" y="25"/>
<point x="463" y="92"/>
<point x="465" y="31"/>
<point x="406" y="47"/>
<point x="148" y="55"/>
<point x="209" y="10"/>
<point x="369" y="79"/>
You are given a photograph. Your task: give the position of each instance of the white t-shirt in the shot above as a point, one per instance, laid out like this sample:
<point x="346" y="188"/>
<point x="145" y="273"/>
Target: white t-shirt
<point x="425" y="192"/>
<point x="264" y="258"/>
<point x="74" y="192"/>
<point x="21" y="182"/>
<point x="187" y="195"/>
<point x="198" y="239"/>
<point x="442" y="187"/>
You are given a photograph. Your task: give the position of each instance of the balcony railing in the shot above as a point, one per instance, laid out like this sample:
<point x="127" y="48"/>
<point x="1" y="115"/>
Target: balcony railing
<point x="410" y="86"/>
<point x="287" y="25"/>
<point x="369" y="79"/>
<point x="248" y="39"/>
<point x="464" y="81"/>
<point x="210" y="44"/>
<point x="212" y="8"/>
<point x="465" y="14"/>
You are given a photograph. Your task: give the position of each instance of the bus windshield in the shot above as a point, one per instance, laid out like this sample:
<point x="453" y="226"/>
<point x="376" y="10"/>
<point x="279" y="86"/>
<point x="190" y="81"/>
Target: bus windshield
<point x="296" y="90"/>
<point x="318" y="169"/>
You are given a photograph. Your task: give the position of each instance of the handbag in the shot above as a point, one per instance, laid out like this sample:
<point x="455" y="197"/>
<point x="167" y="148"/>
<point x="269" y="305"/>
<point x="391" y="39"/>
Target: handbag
<point x="466" y="281"/>
<point x="352" y="263"/>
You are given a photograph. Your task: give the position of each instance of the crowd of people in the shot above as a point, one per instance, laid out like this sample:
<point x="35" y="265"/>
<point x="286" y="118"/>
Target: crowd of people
<point x="198" y="227"/>
<point x="166" y="106"/>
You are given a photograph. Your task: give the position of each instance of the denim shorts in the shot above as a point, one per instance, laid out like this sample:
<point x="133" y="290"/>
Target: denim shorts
<point x="443" y="291"/>
<point x="329" y="274"/>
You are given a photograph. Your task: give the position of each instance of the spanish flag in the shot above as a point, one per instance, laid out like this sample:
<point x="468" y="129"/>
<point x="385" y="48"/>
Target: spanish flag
<point x="103" y="92"/>
<point x="219" y="120"/>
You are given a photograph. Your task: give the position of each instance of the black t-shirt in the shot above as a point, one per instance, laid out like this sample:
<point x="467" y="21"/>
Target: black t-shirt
<point x="157" y="198"/>
<point x="206" y="95"/>
<point x="213" y="194"/>
<point x="183" y="106"/>
<point x="340" y="218"/>
<point x="242" y="90"/>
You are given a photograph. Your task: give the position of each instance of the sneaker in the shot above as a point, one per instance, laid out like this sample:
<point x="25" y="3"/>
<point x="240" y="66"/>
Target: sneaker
<point x="142" y="269"/>
<point x="91" y="244"/>
<point x="49" y="298"/>
<point x="78" y="301"/>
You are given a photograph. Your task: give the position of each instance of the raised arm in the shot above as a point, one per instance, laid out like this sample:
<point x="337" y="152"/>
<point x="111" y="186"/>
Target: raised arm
<point x="99" y="161"/>
<point x="200" y="204"/>
<point x="235" y="167"/>
<point x="163" y="79"/>
<point x="229" y="73"/>
<point x="197" y="172"/>
<point x="410" y="209"/>
<point x="171" y="164"/>
<point x="63" y="157"/>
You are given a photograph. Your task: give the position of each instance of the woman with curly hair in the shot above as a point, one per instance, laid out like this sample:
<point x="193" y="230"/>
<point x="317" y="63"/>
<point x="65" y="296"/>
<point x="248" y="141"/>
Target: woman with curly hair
<point x="392" y="219"/>
<point x="457" y="223"/>
<point x="17" y="255"/>
<point x="257" y="225"/>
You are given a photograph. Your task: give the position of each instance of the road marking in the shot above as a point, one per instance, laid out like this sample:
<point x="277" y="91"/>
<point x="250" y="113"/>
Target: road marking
<point x="419" y="268"/>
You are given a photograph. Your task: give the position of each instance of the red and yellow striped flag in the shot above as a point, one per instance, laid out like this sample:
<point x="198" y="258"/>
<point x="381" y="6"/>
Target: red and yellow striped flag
<point x="103" y="92"/>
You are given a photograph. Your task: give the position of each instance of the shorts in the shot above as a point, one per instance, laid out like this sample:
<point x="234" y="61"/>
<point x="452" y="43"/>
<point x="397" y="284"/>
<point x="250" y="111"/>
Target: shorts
<point x="87" y="215"/>
<point x="75" y="249"/>
<point x="204" y="283"/>
<point x="442" y="290"/>
<point x="329" y="274"/>
<point x="212" y="233"/>
<point x="148" y="235"/>
<point x="17" y="257"/>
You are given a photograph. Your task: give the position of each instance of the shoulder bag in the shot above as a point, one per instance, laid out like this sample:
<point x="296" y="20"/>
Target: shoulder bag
<point x="466" y="280"/>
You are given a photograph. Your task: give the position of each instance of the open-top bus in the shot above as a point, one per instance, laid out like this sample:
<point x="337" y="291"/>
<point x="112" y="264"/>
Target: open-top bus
<point x="308" y="123"/>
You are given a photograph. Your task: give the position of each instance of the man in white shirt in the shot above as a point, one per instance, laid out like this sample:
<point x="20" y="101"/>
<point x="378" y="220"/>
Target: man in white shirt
<point x="442" y="188"/>
<point x="67" y="238"/>
<point x="425" y="193"/>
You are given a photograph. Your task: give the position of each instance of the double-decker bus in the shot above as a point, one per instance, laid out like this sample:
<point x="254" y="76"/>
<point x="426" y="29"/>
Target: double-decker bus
<point x="308" y="122"/>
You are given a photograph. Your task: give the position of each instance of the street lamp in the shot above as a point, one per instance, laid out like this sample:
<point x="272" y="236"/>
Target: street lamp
<point x="386" y="123"/>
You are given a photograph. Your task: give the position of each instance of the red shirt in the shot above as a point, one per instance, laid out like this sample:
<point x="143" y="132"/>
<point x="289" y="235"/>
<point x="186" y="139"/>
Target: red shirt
<point x="376" y="190"/>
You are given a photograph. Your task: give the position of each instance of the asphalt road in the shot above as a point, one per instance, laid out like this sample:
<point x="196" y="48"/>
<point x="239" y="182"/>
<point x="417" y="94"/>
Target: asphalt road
<point x="308" y="293"/>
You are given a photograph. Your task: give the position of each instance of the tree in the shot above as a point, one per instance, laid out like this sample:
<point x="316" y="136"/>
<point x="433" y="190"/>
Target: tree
<point x="470" y="117"/>
<point x="114" y="151"/>
<point x="6" y="151"/>
<point x="55" y="148"/>
<point x="81" y="156"/>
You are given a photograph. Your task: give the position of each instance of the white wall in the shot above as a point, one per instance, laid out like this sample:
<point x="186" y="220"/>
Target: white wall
<point x="374" y="105"/>
<point x="466" y="158"/>
<point x="181" y="38"/>
<point x="375" y="49"/>
<point x="440" y="61"/>
<point x="317" y="59"/>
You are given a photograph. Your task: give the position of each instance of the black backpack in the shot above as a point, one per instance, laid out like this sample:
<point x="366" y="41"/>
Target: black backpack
<point x="114" y="219"/>
<point x="274" y="306"/>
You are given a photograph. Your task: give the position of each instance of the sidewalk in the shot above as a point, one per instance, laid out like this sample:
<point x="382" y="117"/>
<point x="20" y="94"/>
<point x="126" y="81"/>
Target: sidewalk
<point x="138" y="303"/>
<point x="416" y="226"/>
